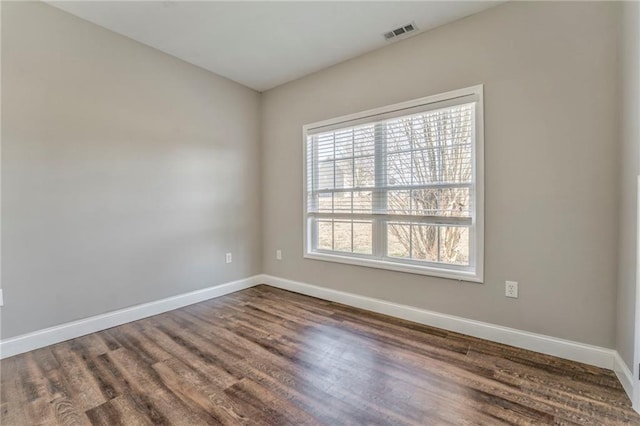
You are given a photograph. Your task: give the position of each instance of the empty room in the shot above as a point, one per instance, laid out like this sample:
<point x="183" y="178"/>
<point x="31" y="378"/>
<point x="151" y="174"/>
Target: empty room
<point x="319" y="213"/>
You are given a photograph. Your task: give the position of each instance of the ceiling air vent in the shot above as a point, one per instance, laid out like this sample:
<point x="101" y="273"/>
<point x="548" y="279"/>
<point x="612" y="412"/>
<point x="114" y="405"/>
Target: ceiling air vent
<point x="400" y="32"/>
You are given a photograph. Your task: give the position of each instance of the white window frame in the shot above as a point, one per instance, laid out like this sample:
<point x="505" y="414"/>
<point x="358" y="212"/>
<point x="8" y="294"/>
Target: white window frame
<point x="473" y="273"/>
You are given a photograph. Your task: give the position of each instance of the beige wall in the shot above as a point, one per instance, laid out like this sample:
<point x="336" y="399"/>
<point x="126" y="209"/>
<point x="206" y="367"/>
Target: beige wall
<point x="126" y="173"/>
<point x="629" y="171"/>
<point x="550" y="74"/>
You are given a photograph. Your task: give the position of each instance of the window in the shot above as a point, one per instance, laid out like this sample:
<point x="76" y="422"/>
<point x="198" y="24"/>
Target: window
<point x="399" y="187"/>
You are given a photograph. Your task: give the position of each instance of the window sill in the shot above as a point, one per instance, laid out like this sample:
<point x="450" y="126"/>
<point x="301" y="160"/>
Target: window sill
<point x="398" y="267"/>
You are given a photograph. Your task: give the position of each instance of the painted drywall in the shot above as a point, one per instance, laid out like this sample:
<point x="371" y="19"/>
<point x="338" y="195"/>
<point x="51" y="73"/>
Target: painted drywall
<point x="550" y="82"/>
<point x="126" y="173"/>
<point x="629" y="171"/>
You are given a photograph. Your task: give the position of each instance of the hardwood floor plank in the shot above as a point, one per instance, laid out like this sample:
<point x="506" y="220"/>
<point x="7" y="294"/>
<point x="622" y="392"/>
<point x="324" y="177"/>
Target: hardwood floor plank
<point x="132" y="400"/>
<point x="265" y="356"/>
<point x="543" y="382"/>
<point x="129" y="413"/>
<point x="83" y="388"/>
<point x="85" y="350"/>
<point x="37" y="390"/>
<point x="65" y="409"/>
<point x="12" y="403"/>
<point x="129" y="337"/>
<point x="194" y="389"/>
<point x="105" y="414"/>
<point x="146" y="381"/>
<point x="93" y="344"/>
<point x="327" y="408"/>
<point x="282" y="406"/>
<point x="217" y="374"/>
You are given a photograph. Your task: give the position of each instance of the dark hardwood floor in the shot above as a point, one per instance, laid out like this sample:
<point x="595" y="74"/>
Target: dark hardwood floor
<point x="267" y="356"/>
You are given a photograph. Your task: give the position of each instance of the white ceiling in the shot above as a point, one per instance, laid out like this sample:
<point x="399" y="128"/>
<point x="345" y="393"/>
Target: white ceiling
<point x="265" y="44"/>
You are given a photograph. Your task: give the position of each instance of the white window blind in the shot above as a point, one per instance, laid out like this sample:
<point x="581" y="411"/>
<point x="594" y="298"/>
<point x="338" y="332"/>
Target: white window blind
<point x="398" y="187"/>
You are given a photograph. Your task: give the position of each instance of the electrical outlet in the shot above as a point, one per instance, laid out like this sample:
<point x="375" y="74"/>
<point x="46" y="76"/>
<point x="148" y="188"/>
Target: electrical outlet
<point x="511" y="289"/>
<point x="278" y="254"/>
<point x="228" y="258"/>
<point x="1" y="298"/>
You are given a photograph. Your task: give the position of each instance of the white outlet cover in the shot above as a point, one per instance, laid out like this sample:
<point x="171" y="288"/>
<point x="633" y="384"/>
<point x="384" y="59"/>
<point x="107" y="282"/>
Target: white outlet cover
<point x="1" y="298"/>
<point x="229" y="258"/>
<point x="279" y="254"/>
<point x="511" y="289"/>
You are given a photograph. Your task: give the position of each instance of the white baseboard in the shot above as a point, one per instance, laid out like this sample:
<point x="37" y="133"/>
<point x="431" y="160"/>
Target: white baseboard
<point x="624" y="374"/>
<point x="60" y="333"/>
<point x="588" y="354"/>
